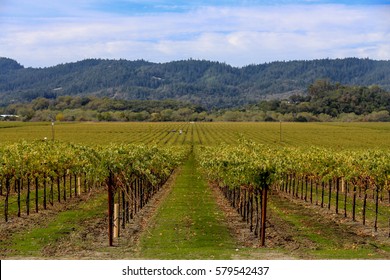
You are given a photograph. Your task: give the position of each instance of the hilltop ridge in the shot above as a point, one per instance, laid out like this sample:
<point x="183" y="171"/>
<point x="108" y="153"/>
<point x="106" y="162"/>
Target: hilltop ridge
<point x="207" y="83"/>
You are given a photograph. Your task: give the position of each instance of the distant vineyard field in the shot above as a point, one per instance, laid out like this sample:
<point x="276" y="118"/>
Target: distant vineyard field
<point x="337" y="136"/>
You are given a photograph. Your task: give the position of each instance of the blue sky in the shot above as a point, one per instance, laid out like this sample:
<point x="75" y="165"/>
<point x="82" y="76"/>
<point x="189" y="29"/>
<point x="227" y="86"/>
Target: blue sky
<point x="43" y="33"/>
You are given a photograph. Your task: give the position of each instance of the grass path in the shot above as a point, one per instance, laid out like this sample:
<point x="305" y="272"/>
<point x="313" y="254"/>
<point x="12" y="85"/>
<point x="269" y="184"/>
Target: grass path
<point x="189" y="224"/>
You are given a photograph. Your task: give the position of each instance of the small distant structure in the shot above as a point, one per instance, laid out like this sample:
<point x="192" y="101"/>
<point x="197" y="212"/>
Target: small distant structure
<point x="6" y="117"/>
<point x="9" y="116"/>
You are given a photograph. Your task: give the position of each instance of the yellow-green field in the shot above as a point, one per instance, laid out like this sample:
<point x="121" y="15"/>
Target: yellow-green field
<point x="330" y="135"/>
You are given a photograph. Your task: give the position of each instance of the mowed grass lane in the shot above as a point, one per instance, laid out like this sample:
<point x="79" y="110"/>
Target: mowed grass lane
<point x="188" y="224"/>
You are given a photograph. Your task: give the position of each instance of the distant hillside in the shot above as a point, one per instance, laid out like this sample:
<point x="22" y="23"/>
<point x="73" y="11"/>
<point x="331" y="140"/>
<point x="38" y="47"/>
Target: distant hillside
<point x="211" y="84"/>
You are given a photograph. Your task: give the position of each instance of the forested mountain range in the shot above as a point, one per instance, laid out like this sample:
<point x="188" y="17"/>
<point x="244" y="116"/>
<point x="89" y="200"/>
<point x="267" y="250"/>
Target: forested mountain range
<point x="210" y="84"/>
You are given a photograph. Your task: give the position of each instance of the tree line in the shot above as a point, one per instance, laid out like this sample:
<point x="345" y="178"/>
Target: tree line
<point x="324" y="101"/>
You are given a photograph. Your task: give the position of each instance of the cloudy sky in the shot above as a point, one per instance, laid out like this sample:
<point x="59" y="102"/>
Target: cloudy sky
<point x="40" y="33"/>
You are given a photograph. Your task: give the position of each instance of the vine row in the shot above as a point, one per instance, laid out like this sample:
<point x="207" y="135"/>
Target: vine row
<point x="358" y="181"/>
<point x="48" y="172"/>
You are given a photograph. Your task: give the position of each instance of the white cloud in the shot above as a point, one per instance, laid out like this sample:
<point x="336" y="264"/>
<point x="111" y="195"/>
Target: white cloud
<point x="238" y="36"/>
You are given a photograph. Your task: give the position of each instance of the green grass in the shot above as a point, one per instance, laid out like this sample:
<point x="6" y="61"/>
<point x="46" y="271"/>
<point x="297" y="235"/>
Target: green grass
<point x="189" y="224"/>
<point x="383" y="208"/>
<point x="13" y="198"/>
<point x="31" y="243"/>
<point x="327" y="239"/>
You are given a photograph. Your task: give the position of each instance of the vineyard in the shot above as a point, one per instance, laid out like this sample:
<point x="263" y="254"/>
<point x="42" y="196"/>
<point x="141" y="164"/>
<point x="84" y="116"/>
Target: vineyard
<point x="316" y="175"/>
<point x="337" y="136"/>
<point x="46" y="172"/>
<point x="342" y="168"/>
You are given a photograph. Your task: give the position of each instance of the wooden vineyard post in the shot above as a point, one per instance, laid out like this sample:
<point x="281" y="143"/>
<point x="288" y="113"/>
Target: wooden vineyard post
<point x="116" y="220"/>
<point x="376" y="208"/>
<point x="28" y="197"/>
<point x="64" y="186"/>
<point x="78" y="185"/>
<point x="251" y="199"/>
<point x="75" y="186"/>
<point x="128" y="203"/>
<point x="135" y="185"/>
<point x="142" y="194"/>
<point x="263" y="214"/>
<point x="123" y="209"/>
<point x="70" y="185"/>
<point x="257" y="202"/>
<point x="330" y="193"/>
<point x="36" y="194"/>
<point x="110" y="210"/>
<point x="306" y="184"/>
<point x="132" y="197"/>
<point x="244" y="208"/>
<point x="311" y="190"/>
<point x="354" y="204"/>
<point x="58" y="189"/>
<point x="365" y="203"/>
<point x="293" y="185"/>
<point x="337" y="194"/>
<point x="344" y="187"/>
<point x="18" y="185"/>
<point x="7" y="190"/>
<point x="85" y="183"/>
<point x="51" y="199"/>
<point x="44" y="193"/>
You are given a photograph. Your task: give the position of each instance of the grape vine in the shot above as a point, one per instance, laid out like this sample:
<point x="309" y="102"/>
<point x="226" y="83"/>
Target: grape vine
<point x="45" y="172"/>
<point x="241" y="171"/>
